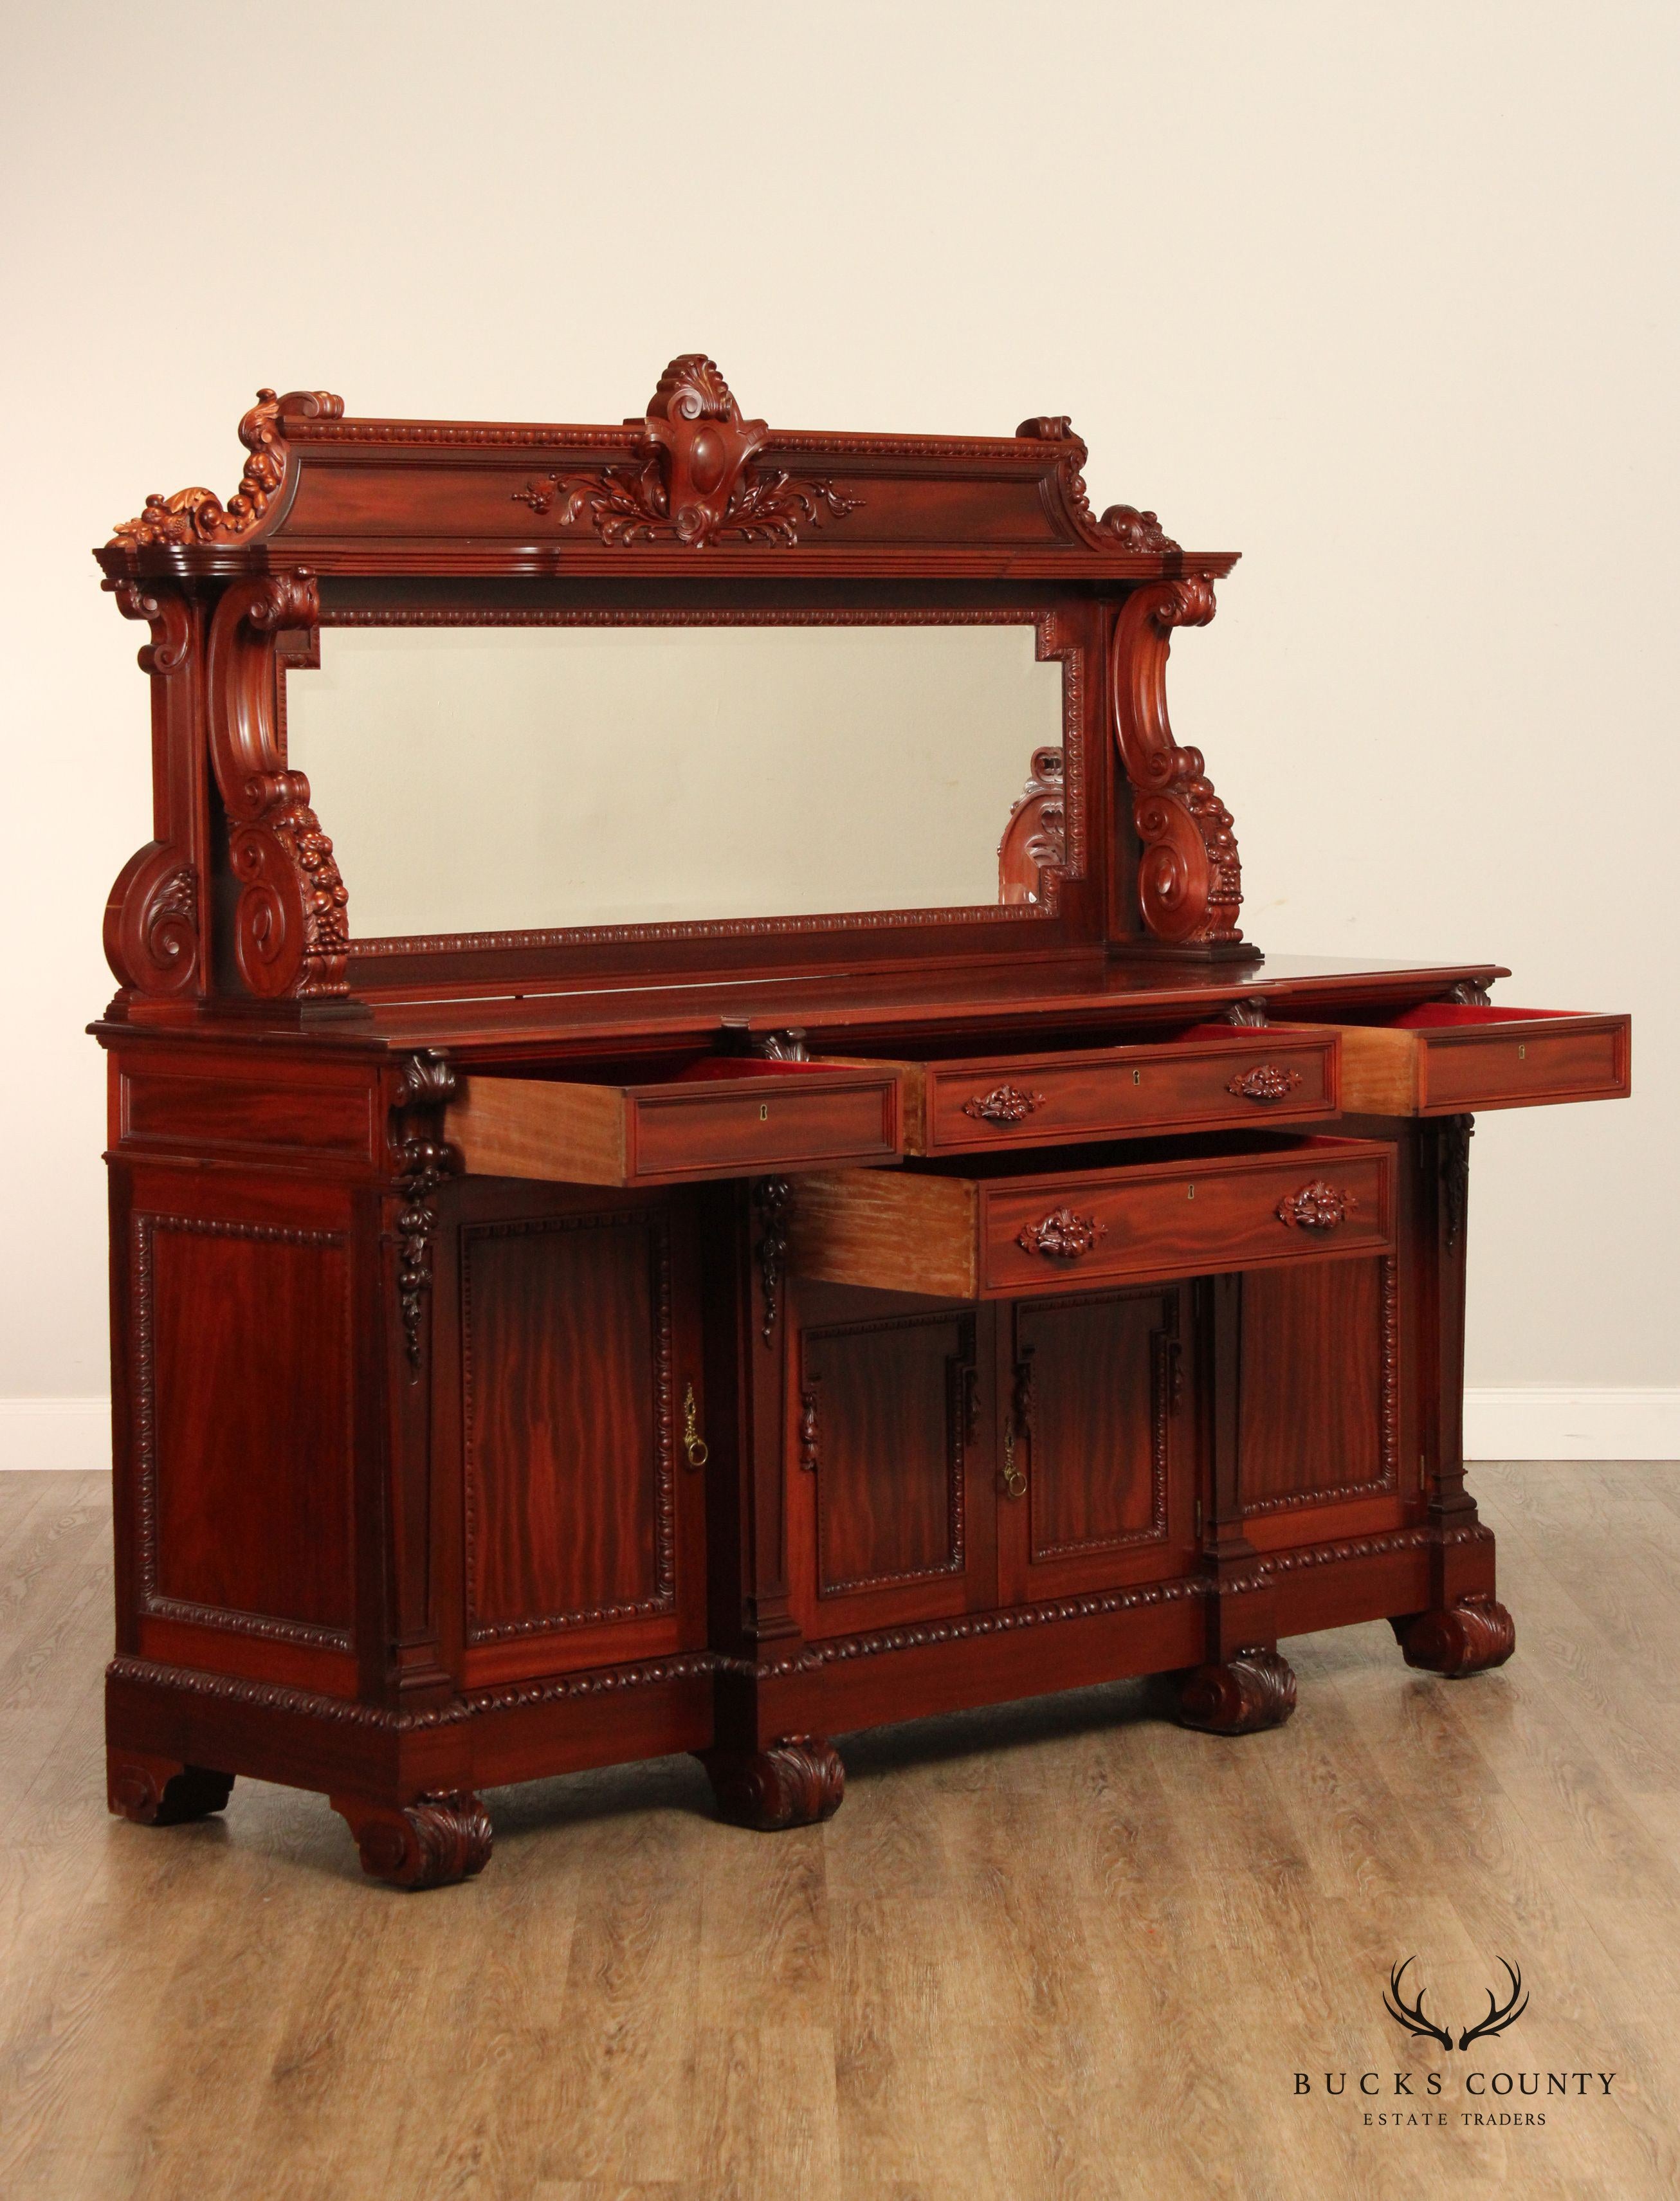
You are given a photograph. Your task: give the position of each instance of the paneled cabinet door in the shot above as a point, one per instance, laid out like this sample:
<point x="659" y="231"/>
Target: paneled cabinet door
<point x="1095" y="1468"/>
<point x="574" y="1425"/>
<point x="890" y="1459"/>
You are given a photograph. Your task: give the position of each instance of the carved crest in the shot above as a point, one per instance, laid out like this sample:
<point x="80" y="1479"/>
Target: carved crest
<point x="692" y="488"/>
<point x="198" y="515"/>
<point x="1132" y="529"/>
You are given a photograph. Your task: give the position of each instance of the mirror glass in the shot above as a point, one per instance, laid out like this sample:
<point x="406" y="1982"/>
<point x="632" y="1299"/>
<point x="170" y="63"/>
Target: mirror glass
<point x="521" y="777"/>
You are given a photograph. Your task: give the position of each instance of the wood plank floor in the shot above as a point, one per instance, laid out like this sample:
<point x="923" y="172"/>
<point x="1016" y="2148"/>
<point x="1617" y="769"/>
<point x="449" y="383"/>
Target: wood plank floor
<point x="1057" y="1950"/>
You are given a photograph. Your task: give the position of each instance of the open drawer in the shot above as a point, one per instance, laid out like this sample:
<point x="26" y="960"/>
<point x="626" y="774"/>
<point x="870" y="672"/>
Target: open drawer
<point x="1211" y="1077"/>
<point x="721" y="1118"/>
<point x="1448" y="1060"/>
<point x="988" y="1230"/>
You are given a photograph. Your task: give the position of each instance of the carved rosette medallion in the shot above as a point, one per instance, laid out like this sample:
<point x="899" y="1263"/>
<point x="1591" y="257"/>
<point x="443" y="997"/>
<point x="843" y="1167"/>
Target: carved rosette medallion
<point x="1266" y="1083"/>
<point x="692" y="486"/>
<point x="1063" y="1235"/>
<point x="1316" y="1207"/>
<point x="1004" y="1104"/>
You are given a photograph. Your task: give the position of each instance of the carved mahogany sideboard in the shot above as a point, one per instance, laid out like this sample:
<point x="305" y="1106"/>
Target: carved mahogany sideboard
<point x="545" y="1347"/>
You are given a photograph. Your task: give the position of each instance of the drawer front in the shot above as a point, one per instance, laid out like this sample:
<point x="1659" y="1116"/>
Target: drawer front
<point x="1204" y="1085"/>
<point x="1188" y="1219"/>
<point x="700" y="1130"/>
<point x="1523" y="1066"/>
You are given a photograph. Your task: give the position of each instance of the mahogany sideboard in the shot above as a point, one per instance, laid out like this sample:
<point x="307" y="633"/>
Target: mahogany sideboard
<point x="542" y="1347"/>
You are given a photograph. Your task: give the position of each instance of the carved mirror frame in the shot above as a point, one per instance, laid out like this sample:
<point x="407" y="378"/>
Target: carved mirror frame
<point x="690" y="515"/>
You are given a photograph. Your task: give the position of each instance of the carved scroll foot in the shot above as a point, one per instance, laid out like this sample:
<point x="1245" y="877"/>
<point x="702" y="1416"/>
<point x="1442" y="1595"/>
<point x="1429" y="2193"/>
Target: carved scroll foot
<point x="431" y="1843"/>
<point x="162" y="1792"/>
<point x="796" y="1782"/>
<point x="1255" y="1689"/>
<point x="1468" y="1637"/>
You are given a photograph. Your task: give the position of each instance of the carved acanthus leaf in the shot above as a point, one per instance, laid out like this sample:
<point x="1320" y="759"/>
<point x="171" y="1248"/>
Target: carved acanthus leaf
<point x="1062" y="1235"/>
<point x="1035" y="840"/>
<point x="1316" y="1207"/>
<point x="1130" y="529"/>
<point x="198" y="515"/>
<point x="1266" y="1083"/>
<point x="1004" y="1104"/>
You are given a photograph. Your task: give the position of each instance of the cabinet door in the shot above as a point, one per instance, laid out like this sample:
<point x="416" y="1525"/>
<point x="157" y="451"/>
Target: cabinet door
<point x="576" y="1355"/>
<point x="889" y="1468"/>
<point x="1096" y="1486"/>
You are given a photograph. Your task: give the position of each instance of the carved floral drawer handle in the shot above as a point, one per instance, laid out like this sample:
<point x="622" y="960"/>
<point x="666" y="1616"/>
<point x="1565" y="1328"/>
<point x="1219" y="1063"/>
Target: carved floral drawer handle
<point x="1266" y="1083"/>
<point x="1062" y="1235"/>
<point x="1316" y="1207"/>
<point x="1004" y="1104"/>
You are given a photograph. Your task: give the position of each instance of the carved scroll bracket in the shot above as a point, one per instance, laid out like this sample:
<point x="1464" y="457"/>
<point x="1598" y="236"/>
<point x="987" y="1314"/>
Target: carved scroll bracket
<point x="291" y="930"/>
<point x="198" y="516"/>
<point x="1122" y="526"/>
<point x="152" y="936"/>
<point x="1190" y="880"/>
<point x="1033" y="852"/>
<point x="693" y="487"/>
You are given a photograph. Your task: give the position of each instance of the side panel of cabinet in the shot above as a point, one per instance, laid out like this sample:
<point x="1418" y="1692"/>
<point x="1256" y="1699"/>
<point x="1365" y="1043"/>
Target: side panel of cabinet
<point x="890" y="1503"/>
<point x="1320" y="1388"/>
<point x="1097" y="1481"/>
<point x="569" y="1348"/>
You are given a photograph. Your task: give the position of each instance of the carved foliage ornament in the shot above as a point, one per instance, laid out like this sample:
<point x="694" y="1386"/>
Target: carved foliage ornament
<point x="1035" y="840"/>
<point x="771" y="1197"/>
<point x="427" y="1080"/>
<point x="1062" y="1235"/>
<point x="198" y="515"/>
<point x="1316" y="1207"/>
<point x="1266" y="1083"/>
<point x="692" y="486"/>
<point x="1004" y="1104"/>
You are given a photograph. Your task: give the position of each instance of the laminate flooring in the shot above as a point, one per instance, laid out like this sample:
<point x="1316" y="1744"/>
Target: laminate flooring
<point x="1060" y="1949"/>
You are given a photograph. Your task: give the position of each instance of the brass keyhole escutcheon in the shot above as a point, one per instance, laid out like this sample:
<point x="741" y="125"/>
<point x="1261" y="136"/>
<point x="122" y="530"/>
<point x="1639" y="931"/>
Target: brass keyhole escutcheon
<point x="764" y="1111"/>
<point x="1521" y="1053"/>
<point x="1190" y="1195"/>
<point x="1137" y="1077"/>
<point x="695" y="1450"/>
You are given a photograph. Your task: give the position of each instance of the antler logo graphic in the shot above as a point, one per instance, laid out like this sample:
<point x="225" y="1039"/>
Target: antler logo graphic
<point x="1497" y="2019"/>
<point x="1411" y="2014"/>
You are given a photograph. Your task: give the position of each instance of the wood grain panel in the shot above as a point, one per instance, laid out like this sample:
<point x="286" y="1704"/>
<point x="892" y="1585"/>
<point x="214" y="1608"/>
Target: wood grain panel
<point x="1320" y="1384"/>
<point x="242" y="1413"/>
<point x="1090" y="1392"/>
<point x="883" y="1407"/>
<point x="568" y="1422"/>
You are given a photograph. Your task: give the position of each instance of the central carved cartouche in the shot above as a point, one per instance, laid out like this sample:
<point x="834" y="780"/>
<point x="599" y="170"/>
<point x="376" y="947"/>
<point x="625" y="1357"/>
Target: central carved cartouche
<point x="692" y="488"/>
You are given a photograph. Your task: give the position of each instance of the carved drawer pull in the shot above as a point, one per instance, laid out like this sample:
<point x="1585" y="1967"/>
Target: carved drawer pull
<point x="1266" y="1083"/>
<point x="1316" y="1207"/>
<point x="1004" y="1104"/>
<point x="1062" y="1235"/>
<point x="695" y="1450"/>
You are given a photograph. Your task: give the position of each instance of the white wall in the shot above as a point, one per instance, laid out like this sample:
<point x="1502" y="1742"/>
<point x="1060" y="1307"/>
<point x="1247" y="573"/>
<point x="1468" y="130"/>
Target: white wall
<point x="1382" y="295"/>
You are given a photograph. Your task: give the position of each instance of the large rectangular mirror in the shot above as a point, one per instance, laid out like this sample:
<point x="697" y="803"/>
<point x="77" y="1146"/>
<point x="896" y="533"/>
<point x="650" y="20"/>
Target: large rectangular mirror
<point x="527" y="778"/>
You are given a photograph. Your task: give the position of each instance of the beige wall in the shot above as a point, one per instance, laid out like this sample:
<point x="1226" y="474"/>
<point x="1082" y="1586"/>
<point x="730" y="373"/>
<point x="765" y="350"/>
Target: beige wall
<point x="1382" y="295"/>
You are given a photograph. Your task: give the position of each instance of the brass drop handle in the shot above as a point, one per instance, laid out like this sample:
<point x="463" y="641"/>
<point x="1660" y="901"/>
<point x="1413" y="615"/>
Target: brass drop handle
<point x="1014" y="1482"/>
<point x="695" y="1450"/>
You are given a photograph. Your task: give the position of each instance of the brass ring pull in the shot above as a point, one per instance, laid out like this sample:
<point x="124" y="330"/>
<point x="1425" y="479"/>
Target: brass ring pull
<point x="695" y="1450"/>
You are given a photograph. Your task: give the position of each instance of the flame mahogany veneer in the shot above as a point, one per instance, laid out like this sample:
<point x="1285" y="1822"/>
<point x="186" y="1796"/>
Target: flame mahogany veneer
<point x="535" y="1351"/>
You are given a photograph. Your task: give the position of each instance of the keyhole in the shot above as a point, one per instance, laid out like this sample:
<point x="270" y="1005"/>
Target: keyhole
<point x="1522" y="1055"/>
<point x="1190" y="1195"/>
<point x="1137" y="1077"/>
<point x="764" y="1111"/>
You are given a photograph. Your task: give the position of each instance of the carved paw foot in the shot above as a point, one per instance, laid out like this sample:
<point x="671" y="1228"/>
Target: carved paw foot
<point x="1255" y="1689"/>
<point x="795" y="1782"/>
<point x="431" y="1843"/>
<point x="1465" y="1638"/>
<point x="162" y="1792"/>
